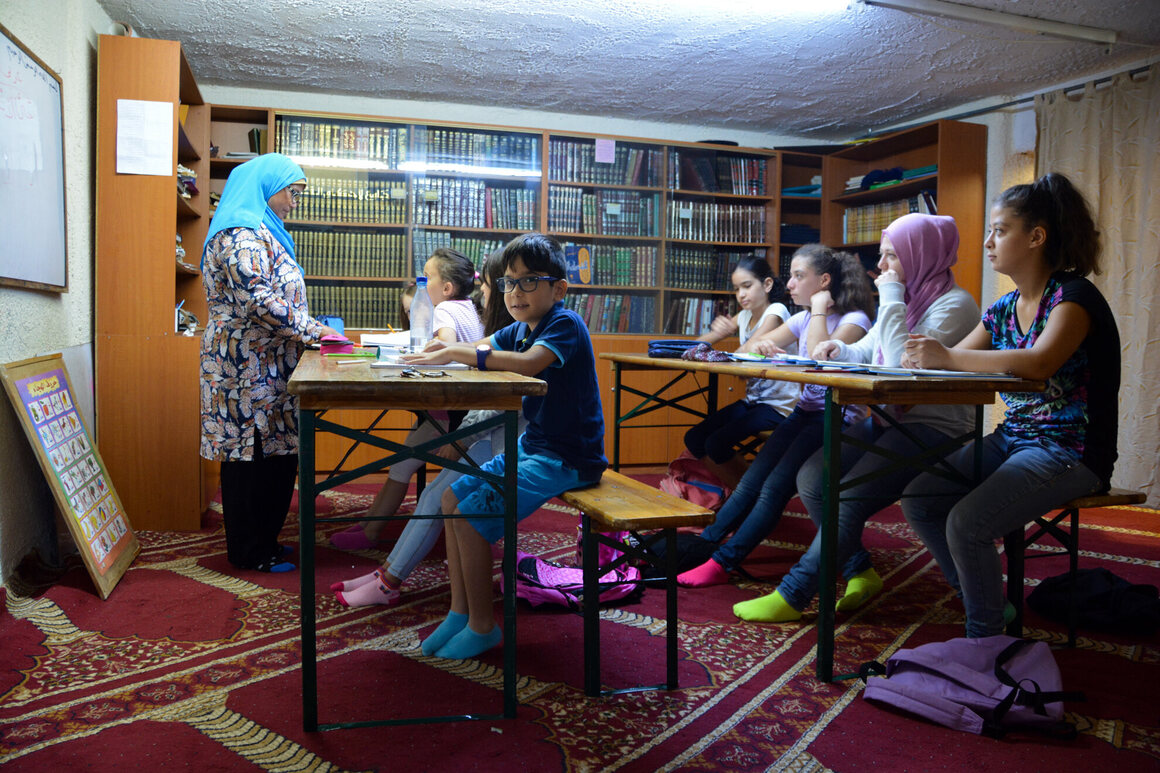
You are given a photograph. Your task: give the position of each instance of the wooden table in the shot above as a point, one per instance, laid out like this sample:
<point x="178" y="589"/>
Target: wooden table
<point x="322" y="384"/>
<point x="843" y="388"/>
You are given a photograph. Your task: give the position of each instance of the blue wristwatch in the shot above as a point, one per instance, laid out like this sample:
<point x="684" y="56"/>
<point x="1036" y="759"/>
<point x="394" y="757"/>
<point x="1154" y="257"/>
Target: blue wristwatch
<point x="481" y="353"/>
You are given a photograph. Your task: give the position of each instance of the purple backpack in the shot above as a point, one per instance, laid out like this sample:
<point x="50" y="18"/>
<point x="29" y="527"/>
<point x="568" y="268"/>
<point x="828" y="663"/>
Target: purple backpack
<point x="540" y="581"/>
<point x="984" y="686"/>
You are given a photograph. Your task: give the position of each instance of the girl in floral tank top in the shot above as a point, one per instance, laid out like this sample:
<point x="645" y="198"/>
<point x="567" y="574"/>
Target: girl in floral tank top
<point x="1052" y="446"/>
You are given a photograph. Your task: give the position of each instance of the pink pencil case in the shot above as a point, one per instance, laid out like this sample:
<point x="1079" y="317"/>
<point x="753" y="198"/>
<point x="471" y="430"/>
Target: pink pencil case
<point x="336" y="345"/>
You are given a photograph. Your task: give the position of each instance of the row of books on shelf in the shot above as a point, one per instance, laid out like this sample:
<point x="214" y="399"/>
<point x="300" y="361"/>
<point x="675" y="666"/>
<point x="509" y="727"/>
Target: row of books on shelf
<point x="716" y="172"/>
<point x="575" y="161"/>
<point x="320" y="138"/>
<point x="462" y="147"/>
<point x="472" y="204"/>
<point x="345" y="253"/>
<point x="692" y="269"/>
<point x="865" y="223"/>
<point x="715" y="222"/>
<point x="424" y="242"/>
<point x="693" y="316"/>
<point x="614" y="312"/>
<point x="626" y="266"/>
<point x="363" y="307"/>
<point x="606" y="212"/>
<point x="352" y="201"/>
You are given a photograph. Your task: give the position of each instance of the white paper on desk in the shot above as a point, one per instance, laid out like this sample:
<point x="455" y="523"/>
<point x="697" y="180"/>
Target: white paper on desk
<point x="396" y="339"/>
<point x="774" y="359"/>
<point x="392" y="360"/>
<point x="144" y="137"/>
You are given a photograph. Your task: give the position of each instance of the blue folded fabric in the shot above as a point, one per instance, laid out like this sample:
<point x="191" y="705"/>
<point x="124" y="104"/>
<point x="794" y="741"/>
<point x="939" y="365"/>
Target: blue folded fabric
<point x="670" y="347"/>
<point x="881" y="176"/>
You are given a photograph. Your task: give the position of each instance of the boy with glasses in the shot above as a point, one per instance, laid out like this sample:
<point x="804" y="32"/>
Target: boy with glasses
<point x="561" y="449"/>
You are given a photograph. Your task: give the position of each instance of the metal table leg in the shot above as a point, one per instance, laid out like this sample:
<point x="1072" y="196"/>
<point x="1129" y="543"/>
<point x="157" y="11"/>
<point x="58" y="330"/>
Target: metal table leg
<point x="511" y="455"/>
<point x="827" y="576"/>
<point x="306" y="494"/>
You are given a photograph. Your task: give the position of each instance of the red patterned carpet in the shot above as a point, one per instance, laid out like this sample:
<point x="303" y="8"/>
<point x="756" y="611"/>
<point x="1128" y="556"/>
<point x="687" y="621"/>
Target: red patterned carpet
<point x="189" y="665"/>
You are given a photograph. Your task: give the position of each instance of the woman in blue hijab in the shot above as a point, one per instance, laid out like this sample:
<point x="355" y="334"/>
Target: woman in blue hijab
<point x="257" y="328"/>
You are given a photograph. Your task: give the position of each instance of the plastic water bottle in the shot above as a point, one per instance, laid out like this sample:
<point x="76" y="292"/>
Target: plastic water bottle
<point x="422" y="313"/>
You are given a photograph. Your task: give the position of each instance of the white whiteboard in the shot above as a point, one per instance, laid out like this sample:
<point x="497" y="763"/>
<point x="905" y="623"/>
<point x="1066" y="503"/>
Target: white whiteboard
<point x="32" y="210"/>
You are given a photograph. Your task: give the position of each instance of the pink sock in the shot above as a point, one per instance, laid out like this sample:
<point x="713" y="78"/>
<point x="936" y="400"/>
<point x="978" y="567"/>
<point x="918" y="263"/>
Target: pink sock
<point x="708" y="573"/>
<point x="379" y="592"/>
<point x="357" y="582"/>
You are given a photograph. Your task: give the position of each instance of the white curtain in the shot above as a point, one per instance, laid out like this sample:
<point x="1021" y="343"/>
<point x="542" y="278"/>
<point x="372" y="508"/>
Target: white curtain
<point x="1106" y="139"/>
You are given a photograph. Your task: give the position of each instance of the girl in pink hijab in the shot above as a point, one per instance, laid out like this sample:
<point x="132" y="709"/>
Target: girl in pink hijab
<point x="916" y="294"/>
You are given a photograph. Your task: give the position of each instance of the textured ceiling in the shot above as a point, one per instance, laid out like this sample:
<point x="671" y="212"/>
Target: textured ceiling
<point x="753" y="65"/>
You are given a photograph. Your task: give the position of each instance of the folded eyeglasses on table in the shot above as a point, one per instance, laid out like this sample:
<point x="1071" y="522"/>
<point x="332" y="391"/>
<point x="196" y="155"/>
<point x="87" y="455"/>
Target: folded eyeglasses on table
<point x="416" y="373"/>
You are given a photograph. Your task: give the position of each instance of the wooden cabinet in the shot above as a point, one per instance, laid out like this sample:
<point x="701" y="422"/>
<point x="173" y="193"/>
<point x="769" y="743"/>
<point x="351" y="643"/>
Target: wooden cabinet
<point x="147" y="424"/>
<point x="943" y="162"/>
<point x="657" y="445"/>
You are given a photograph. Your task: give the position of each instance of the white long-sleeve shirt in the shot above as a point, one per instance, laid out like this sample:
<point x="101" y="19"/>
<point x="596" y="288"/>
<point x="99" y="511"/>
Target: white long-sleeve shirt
<point x="948" y="320"/>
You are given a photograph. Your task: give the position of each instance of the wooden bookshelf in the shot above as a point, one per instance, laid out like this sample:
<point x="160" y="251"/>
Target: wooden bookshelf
<point x="958" y="153"/>
<point x="147" y="404"/>
<point x="606" y="195"/>
<point x="721" y="204"/>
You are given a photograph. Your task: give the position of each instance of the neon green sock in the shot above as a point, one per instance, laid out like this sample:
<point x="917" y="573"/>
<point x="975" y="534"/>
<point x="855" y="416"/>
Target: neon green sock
<point x="767" y="609"/>
<point x="861" y="588"/>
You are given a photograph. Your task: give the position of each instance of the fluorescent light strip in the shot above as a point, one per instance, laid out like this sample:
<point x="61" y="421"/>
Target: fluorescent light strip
<point x="421" y="167"/>
<point x="999" y="18"/>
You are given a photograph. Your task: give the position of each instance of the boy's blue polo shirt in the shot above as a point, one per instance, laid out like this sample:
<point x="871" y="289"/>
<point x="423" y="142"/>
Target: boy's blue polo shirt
<point x="568" y="421"/>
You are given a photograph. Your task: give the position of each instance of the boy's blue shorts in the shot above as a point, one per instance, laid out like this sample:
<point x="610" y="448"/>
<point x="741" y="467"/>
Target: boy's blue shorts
<point x="538" y="479"/>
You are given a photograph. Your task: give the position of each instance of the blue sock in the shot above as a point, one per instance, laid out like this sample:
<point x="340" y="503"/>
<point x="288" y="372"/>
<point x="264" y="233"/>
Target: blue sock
<point x="282" y="566"/>
<point x="451" y="625"/>
<point x="467" y="643"/>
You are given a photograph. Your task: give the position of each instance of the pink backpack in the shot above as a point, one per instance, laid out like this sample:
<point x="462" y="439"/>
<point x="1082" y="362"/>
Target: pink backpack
<point x="689" y="479"/>
<point x="540" y="581"/>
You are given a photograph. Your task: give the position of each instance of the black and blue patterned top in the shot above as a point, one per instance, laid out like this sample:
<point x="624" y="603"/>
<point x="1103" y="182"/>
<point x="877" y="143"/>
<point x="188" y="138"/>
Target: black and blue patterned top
<point x="1079" y="408"/>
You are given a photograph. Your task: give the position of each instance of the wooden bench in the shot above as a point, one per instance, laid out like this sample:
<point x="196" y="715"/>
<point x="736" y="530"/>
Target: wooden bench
<point x="1016" y="543"/>
<point x="617" y="504"/>
<point x="750" y="446"/>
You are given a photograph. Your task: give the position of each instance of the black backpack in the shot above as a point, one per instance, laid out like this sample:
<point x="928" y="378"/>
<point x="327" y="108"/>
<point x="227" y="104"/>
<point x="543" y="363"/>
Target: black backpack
<point x="1103" y="601"/>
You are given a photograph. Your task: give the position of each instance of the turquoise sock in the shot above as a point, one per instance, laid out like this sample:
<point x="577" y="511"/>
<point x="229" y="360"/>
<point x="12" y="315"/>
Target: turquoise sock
<point x="451" y="625"/>
<point x="467" y="643"/>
